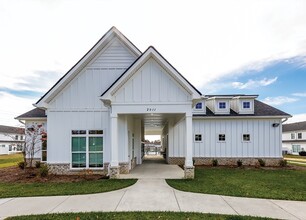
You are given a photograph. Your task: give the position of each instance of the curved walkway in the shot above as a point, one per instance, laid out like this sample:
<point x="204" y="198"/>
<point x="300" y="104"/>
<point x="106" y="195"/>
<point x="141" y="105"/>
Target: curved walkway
<point x="153" y="195"/>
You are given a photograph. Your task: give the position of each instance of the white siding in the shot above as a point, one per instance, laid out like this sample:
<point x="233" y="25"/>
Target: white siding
<point x="151" y="83"/>
<point x="265" y="139"/>
<point x="177" y="139"/>
<point x="114" y="55"/>
<point x="59" y="128"/>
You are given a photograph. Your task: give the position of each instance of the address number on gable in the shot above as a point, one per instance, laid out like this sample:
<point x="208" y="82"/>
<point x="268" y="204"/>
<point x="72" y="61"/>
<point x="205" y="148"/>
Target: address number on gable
<point x="151" y="109"/>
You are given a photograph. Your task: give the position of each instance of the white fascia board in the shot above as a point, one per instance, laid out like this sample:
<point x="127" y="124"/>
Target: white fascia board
<point x="85" y="60"/>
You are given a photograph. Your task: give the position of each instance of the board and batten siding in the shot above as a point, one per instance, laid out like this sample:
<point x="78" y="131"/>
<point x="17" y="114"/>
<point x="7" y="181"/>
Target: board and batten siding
<point x="151" y="83"/>
<point x="265" y="139"/>
<point x="84" y="90"/>
<point x="59" y="128"/>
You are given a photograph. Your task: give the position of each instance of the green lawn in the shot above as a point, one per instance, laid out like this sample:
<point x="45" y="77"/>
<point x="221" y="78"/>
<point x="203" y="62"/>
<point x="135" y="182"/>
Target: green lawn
<point x="288" y="156"/>
<point x="10" y="160"/>
<point x="53" y="189"/>
<point x="134" y="215"/>
<point x="257" y="183"/>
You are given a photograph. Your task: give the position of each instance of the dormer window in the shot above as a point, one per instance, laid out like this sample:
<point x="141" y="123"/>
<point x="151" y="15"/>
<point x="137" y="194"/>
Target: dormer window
<point x="222" y="105"/>
<point x="199" y="106"/>
<point x="246" y="105"/>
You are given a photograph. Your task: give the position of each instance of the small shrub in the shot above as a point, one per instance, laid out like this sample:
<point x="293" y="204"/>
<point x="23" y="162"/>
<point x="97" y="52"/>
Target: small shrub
<point x="44" y="170"/>
<point x="302" y="153"/>
<point x="283" y="163"/>
<point x="239" y="163"/>
<point x="22" y="165"/>
<point x="37" y="164"/>
<point x="261" y="162"/>
<point x="215" y="162"/>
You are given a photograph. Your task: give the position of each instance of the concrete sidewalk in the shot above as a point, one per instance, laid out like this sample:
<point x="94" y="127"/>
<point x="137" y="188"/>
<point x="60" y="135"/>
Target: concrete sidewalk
<point x="153" y="195"/>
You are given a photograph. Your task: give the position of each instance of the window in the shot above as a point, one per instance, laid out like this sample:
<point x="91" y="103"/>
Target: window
<point x="21" y="137"/>
<point x="87" y="149"/>
<point x="16" y="137"/>
<point x="222" y="105"/>
<point x="199" y="106"/>
<point x="246" y="105"/>
<point x="198" y="137"/>
<point x="246" y="137"/>
<point x="44" y="148"/>
<point x="3" y="145"/>
<point x="10" y="147"/>
<point x="292" y="135"/>
<point x="221" y="137"/>
<point x="296" y="148"/>
<point x="299" y="136"/>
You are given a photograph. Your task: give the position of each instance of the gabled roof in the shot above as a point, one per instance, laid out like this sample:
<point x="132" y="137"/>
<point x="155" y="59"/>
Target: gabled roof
<point x="298" y="126"/>
<point x="104" y="40"/>
<point x="34" y="113"/>
<point x="260" y="109"/>
<point x="150" y="52"/>
<point x="11" y="130"/>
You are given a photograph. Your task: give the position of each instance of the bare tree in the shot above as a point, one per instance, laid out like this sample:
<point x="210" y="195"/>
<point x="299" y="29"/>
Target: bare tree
<point x="33" y="141"/>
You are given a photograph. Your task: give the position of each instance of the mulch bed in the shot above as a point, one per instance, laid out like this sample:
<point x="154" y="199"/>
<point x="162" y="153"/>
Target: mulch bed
<point x="31" y="175"/>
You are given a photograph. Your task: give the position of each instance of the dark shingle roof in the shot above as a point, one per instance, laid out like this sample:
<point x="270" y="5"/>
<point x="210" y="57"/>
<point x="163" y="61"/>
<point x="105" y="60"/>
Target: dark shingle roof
<point x="260" y="109"/>
<point x="298" y="126"/>
<point x="11" y="130"/>
<point x="34" y="113"/>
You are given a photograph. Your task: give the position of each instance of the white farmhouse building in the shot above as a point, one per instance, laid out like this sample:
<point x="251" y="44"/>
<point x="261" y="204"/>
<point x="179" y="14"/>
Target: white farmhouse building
<point x="11" y="139"/>
<point x="98" y="113"/>
<point x="294" y="137"/>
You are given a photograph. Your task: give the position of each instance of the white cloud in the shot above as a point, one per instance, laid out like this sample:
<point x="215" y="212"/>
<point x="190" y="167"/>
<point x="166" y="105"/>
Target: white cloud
<point x="279" y="100"/>
<point x="297" y="118"/>
<point x="299" y="94"/>
<point x="250" y="84"/>
<point x="13" y="106"/>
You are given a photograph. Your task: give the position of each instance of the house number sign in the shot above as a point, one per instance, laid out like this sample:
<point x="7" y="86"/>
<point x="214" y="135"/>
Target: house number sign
<point x="151" y="109"/>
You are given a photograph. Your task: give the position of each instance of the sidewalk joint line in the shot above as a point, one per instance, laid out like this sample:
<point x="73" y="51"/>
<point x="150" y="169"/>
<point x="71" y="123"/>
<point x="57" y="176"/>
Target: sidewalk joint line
<point x="229" y="205"/>
<point x="10" y="199"/>
<point x="283" y="209"/>
<point x="120" y="199"/>
<point x="176" y="200"/>
<point x="59" y="204"/>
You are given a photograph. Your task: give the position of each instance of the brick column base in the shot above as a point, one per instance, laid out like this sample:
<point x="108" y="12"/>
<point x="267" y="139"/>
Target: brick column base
<point x="114" y="172"/>
<point x="189" y="172"/>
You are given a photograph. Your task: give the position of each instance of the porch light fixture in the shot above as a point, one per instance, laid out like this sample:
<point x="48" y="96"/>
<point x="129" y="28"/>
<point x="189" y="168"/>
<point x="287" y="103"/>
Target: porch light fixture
<point x="274" y="125"/>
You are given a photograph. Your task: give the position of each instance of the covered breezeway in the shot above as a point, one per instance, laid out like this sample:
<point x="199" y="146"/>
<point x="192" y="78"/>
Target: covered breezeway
<point x="154" y="167"/>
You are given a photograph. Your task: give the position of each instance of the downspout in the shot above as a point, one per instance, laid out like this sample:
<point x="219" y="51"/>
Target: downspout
<point x="286" y="119"/>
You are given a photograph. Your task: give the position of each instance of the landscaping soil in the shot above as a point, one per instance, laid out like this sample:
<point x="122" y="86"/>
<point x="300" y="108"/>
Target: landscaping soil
<point x="31" y="175"/>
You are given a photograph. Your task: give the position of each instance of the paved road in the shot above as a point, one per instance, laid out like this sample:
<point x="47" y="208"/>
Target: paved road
<point x="153" y="195"/>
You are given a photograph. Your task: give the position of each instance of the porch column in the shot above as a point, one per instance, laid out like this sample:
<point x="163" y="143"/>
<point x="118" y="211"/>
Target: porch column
<point x="114" y="165"/>
<point x="189" y="168"/>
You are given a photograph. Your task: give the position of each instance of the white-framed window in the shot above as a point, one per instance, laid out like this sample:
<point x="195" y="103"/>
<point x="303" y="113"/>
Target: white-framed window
<point x="299" y="135"/>
<point x="87" y="148"/>
<point x="246" y="105"/>
<point x="10" y="147"/>
<point x="198" y="138"/>
<point x="199" y="106"/>
<point x="221" y="137"/>
<point x="292" y="135"/>
<point x="3" y="145"/>
<point x="44" y="148"/>
<point x="246" y="137"/>
<point x="21" y="137"/>
<point x="296" y="148"/>
<point x="222" y="105"/>
<point x="16" y="137"/>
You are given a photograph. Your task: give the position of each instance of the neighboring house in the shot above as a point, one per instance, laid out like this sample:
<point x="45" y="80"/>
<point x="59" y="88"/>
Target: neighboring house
<point x="294" y="138"/>
<point x="11" y="139"/>
<point x="98" y="113"/>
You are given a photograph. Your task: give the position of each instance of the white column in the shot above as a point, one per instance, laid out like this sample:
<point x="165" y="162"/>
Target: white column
<point x="189" y="147"/>
<point x="114" y="140"/>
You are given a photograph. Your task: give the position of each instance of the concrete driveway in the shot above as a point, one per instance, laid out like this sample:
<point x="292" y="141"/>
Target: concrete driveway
<point x="153" y="195"/>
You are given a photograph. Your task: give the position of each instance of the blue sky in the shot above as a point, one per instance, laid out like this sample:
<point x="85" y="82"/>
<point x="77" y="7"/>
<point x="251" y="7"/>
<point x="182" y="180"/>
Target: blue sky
<point x="281" y="84"/>
<point x="220" y="46"/>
